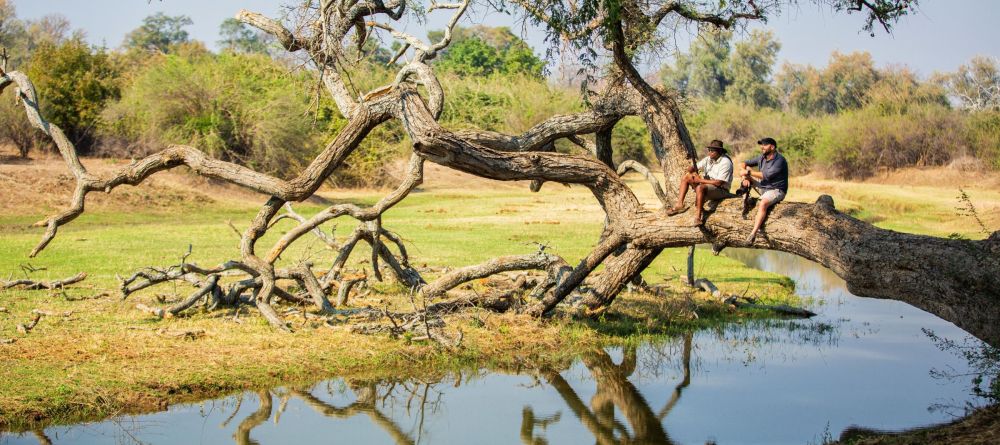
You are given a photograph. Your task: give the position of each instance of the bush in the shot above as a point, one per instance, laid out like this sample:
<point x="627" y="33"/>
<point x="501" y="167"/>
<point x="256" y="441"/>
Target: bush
<point x="74" y="83"/>
<point x="237" y="107"/>
<point x="630" y="140"/>
<point x="16" y="130"/>
<point x="982" y="132"/>
<point x="858" y="144"/>
<point x="508" y="103"/>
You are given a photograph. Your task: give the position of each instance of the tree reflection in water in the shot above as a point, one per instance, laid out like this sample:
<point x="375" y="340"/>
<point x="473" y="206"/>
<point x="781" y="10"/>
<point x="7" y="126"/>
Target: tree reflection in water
<point x="614" y="390"/>
<point x="370" y="398"/>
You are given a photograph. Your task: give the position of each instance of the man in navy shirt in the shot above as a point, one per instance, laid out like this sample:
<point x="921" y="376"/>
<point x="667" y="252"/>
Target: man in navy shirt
<point x="771" y="180"/>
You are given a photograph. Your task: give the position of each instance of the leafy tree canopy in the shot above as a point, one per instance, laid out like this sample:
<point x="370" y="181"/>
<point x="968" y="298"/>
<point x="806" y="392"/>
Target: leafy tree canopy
<point x="715" y="68"/>
<point x="21" y="37"/>
<point x="975" y="85"/>
<point x="483" y="51"/>
<point x="75" y="82"/>
<point x="238" y="37"/>
<point x="159" y="32"/>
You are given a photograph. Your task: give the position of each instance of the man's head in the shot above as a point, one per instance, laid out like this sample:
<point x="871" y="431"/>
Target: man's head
<point x="715" y="149"/>
<point x="767" y="145"/>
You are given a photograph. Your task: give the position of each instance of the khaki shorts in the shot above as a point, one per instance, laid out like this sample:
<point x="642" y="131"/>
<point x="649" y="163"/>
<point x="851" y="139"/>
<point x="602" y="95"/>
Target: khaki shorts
<point x="713" y="193"/>
<point x="772" y="196"/>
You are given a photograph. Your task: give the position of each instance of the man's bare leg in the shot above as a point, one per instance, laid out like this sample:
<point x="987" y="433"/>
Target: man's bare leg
<point x="699" y="200"/>
<point x="686" y="181"/>
<point x="758" y="220"/>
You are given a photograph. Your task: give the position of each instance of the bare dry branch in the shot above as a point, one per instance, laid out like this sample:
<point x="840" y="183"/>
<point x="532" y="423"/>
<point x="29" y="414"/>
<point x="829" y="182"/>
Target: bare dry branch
<point x="626" y="166"/>
<point x="36" y="285"/>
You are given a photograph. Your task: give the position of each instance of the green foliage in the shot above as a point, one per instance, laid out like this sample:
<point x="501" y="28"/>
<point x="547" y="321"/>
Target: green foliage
<point x="841" y="86"/>
<point x="857" y="143"/>
<point x="74" y="83"/>
<point x="238" y="37"/>
<point x="901" y="122"/>
<point x="16" y="130"/>
<point x="750" y="67"/>
<point x="159" y="32"/>
<point x="630" y="139"/>
<point x="899" y="89"/>
<point x="484" y="51"/>
<point x="714" y="68"/>
<point x="22" y="37"/>
<point x="510" y="104"/>
<point x="982" y="133"/>
<point x="239" y="107"/>
<point x="704" y="71"/>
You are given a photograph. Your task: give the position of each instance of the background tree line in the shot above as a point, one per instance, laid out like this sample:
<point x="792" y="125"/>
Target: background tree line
<point x="847" y="119"/>
<point x="245" y="103"/>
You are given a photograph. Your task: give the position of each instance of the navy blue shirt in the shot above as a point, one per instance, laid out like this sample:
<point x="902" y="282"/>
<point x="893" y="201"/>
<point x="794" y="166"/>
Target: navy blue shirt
<point x="775" y="171"/>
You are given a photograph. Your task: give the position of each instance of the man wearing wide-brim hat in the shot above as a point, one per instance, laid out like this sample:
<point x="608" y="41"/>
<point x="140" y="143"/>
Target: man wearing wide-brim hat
<point x="711" y="185"/>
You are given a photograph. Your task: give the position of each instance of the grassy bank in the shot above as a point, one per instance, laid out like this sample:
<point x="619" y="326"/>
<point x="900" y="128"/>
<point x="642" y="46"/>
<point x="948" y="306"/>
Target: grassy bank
<point x="106" y="356"/>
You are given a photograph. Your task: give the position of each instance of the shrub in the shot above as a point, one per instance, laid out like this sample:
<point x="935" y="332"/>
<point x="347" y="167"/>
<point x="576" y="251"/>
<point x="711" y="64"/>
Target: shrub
<point x="74" y="83"/>
<point x="982" y="135"/>
<point x="238" y="107"/>
<point x="857" y="144"/>
<point x="16" y="130"/>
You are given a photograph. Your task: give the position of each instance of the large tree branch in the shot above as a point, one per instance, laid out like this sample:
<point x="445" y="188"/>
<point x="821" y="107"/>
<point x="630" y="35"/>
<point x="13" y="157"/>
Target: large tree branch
<point x="297" y="189"/>
<point x="958" y="280"/>
<point x="537" y="261"/>
<point x="414" y="177"/>
<point x="721" y="19"/>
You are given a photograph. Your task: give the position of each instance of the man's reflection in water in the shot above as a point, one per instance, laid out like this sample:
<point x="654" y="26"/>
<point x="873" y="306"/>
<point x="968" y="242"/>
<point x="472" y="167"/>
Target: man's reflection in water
<point x="613" y="390"/>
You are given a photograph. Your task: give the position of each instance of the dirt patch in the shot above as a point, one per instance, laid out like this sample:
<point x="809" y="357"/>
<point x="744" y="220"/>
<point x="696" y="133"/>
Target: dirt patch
<point x="981" y="427"/>
<point x="949" y="177"/>
<point x="44" y="185"/>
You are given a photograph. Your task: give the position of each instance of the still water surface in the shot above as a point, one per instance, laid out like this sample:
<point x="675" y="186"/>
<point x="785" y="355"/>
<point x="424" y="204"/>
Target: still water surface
<point x="861" y="362"/>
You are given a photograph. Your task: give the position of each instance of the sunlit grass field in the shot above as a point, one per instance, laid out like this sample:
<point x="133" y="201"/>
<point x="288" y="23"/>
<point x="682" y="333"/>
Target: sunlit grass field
<point x="107" y="356"/>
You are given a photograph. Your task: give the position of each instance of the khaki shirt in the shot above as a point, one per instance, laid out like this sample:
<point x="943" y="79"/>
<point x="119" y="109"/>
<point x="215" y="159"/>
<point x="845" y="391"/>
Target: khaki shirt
<point x="720" y="169"/>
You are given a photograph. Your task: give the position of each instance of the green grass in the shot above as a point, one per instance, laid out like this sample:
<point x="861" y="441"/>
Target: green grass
<point x="107" y="356"/>
<point x="918" y="208"/>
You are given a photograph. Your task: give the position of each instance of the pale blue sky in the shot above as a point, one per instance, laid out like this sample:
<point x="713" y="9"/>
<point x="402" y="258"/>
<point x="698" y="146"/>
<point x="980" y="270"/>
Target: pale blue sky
<point x="942" y="36"/>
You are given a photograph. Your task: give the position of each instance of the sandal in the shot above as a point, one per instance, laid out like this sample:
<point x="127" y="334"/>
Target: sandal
<point x="676" y="210"/>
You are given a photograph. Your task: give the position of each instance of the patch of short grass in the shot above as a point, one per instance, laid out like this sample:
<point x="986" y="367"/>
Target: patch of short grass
<point x="106" y="356"/>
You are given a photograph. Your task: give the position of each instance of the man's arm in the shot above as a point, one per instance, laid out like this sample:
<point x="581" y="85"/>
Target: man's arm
<point x="745" y="170"/>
